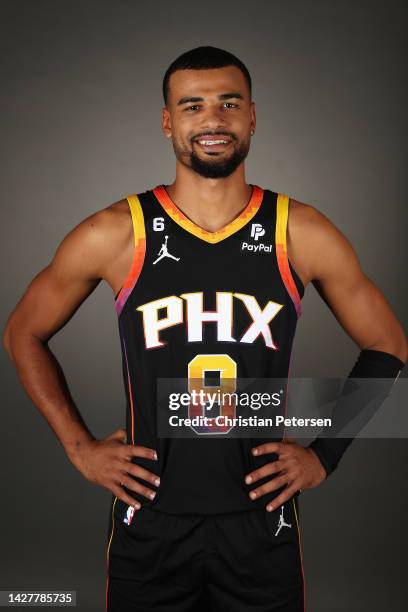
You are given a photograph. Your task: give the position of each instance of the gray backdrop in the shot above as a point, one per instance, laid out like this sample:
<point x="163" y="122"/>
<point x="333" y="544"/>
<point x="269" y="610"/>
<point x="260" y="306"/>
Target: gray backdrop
<point x="80" y="114"/>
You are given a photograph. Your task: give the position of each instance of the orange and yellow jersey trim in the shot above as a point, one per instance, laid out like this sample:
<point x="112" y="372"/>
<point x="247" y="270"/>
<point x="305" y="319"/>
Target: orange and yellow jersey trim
<point x="282" y="252"/>
<point x="213" y="237"/>
<point x="139" y="252"/>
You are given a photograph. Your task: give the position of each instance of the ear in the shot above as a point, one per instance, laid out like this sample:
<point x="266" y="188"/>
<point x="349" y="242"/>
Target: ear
<point x="253" y="118"/>
<point x="166" y="122"/>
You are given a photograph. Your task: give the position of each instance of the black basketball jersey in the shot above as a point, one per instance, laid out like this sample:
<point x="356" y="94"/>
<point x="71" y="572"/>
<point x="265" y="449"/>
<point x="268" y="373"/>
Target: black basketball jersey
<point x="196" y="301"/>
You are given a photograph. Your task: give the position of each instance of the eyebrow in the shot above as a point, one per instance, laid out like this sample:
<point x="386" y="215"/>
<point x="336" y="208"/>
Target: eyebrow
<point x="225" y="96"/>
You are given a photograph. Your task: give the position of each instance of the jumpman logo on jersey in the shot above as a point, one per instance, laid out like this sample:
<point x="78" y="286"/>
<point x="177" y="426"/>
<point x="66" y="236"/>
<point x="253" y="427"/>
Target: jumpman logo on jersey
<point x="282" y="522"/>
<point x="164" y="252"/>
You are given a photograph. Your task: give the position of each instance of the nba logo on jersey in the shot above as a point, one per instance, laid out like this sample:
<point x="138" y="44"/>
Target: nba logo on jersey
<point x="129" y="515"/>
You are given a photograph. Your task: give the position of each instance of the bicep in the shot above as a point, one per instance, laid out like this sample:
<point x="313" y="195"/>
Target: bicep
<point x="356" y="302"/>
<point x="55" y="293"/>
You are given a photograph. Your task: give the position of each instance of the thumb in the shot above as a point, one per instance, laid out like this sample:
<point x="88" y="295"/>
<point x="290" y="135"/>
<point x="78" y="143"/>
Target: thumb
<point x="119" y="434"/>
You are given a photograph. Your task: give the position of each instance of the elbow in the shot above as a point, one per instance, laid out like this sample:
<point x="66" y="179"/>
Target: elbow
<point x="6" y="339"/>
<point x="11" y="331"/>
<point x="398" y="347"/>
<point x="8" y="335"/>
<point x="16" y="338"/>
<point x="391" y="340"/>
<point x="404" y="352"/>
<point x="401" y="349"/>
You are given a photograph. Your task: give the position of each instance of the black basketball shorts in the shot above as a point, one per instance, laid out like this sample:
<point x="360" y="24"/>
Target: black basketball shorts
<point x="232" y="562"/>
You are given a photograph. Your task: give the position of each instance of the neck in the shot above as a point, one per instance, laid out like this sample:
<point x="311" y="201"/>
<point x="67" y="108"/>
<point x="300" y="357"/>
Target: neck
<point x="210" y="203"/>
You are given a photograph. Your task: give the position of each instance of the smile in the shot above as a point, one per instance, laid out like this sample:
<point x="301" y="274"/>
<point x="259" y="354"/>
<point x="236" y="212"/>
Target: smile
<point x="210" y="143"/>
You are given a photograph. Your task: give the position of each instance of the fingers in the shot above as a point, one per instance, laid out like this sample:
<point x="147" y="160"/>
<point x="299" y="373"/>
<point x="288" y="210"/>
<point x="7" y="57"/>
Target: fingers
<point x="129" y="469"/>
<point x="285" y="480"/>
<point x="287" y="447"/>
<point x="140" y="472"/>
<point x="123" y="496"/>
<point x="137" y="487"/>
<point x="271" y="485"/>
<point x="268" y="447"/>
<point x="283" y="497"/>
<point x="133" y="485"/>
<point x="135" y="450"/>
<point x="295" y="470"/>
<point x="270" y="468"/>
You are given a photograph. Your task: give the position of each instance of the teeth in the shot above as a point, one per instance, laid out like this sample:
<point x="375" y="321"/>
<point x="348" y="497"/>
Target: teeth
<point x="212" y="142"/>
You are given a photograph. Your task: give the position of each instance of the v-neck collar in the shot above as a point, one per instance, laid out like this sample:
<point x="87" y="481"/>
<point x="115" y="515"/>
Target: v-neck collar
<point x="232" y="227"/>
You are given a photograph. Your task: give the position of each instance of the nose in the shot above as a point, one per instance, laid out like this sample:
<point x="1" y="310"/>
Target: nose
<point x="213" y="119"/>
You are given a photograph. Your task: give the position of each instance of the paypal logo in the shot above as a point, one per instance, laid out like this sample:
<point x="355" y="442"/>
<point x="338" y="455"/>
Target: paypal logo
<point x="257" y="231"/>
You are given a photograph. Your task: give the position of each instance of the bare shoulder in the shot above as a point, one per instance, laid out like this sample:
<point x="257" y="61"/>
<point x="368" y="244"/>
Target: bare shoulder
<point x="109" y="223"/>
<point x="304" y="216"/>
<point x="315" y="245"/>
<point x="111" y="226"/>
<point x="96" y="241"/>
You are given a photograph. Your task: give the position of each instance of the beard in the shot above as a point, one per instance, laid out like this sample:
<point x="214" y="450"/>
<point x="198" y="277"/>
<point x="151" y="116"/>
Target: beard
<point x="214" y="168"/>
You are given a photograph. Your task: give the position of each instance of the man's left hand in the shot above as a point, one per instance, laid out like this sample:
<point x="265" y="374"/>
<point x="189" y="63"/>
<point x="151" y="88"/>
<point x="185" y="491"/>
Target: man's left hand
<point x="297" y="468"/>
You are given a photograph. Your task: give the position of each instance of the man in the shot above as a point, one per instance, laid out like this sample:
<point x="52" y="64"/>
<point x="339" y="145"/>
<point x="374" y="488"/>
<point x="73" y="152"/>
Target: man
<point x="206" y="522"/>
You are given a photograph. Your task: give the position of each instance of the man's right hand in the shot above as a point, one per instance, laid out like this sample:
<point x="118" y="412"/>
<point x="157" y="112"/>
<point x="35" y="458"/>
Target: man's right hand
<point x="108" y="463"/>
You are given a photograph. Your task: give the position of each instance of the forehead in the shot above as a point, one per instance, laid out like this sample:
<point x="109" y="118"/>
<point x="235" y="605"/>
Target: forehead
<point x="205" y="83"/>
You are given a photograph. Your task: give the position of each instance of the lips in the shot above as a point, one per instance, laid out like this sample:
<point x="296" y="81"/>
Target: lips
<point x="213" y="143"/>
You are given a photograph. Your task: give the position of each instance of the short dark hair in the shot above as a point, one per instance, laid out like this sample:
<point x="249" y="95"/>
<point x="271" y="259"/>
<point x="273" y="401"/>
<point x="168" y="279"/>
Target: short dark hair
<point x="202" y="58"/>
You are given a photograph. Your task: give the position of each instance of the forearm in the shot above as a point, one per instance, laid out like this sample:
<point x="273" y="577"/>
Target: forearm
<point x="367" y="386"/>
<point x="43" y="379"/>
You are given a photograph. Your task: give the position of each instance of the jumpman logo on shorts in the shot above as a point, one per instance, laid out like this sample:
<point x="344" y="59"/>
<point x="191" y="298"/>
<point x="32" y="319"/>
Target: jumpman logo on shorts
<point x="164" y="252"/>
<point x="282" y="522"/>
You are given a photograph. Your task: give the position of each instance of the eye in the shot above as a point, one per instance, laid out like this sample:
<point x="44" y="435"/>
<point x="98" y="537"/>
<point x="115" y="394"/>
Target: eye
<point x="231" y="105"/>
<point x="193" y="106"/>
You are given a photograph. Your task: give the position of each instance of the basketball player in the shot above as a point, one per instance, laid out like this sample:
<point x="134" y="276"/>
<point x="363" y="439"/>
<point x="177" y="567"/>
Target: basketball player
<point x="206" y="522"/>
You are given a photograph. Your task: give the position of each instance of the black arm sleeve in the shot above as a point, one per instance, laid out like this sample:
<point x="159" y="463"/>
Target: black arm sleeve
<point x="370" y="364"/>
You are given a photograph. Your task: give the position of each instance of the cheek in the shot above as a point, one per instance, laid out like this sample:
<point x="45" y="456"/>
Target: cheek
<point x="183" y="131"/>
<point x="181" y="142"/>
<point x="243" y="122"/>
<point x="185" y="122"/>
